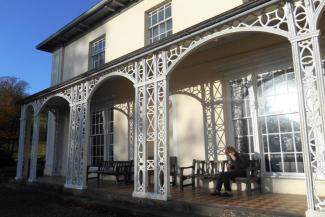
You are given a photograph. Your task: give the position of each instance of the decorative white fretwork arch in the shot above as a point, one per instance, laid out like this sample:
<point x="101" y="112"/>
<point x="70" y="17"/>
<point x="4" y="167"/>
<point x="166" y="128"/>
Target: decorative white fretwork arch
<point x="177" y="57"/>
<point x="319" y="11"/>
<point x="296" y="20"/>
<point x="46" y="100"/>
<point x="96" y="83"/>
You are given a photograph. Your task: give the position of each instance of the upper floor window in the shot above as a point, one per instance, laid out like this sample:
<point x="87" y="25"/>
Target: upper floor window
<point x="160" y="23"/>
<point x="97" y="53"/>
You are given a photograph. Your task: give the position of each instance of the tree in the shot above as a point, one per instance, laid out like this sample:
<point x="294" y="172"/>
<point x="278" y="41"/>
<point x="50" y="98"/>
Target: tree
<point x="12" y="90"/>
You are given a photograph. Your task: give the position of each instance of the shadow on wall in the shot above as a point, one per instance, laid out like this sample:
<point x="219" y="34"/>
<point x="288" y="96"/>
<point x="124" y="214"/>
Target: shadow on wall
<point x="198" y="113"/>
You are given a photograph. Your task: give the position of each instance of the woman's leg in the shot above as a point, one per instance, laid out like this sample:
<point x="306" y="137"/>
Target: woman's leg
<point x="218" y="185"/>
<point x="226" y="179"/>
<point x="219" y="182"/>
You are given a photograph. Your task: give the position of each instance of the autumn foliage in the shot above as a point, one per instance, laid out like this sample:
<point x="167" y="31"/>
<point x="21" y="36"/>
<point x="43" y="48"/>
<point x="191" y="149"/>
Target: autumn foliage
<point x="12" y="90"/>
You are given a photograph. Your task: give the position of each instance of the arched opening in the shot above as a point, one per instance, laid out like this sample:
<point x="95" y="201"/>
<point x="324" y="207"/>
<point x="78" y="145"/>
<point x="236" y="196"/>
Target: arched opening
<point x="111" y="123"/>
<point x="247" y="87"/>
<point x="53" y="138"/>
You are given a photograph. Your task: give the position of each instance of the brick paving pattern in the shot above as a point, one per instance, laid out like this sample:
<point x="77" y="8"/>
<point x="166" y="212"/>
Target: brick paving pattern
<point x="292" y="204"/>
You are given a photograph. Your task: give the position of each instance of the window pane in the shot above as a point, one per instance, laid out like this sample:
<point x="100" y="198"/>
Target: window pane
<point x="155" y="39"/>
<point x="169" y="25"/>
<point x="272" y="124"/>
<point x="244" y="145"/>
<point x="262" y="123"/>
<point x="292" y="87"/>
<point x="287" y="143"/>
<point x="267" y="163"/>
<point x="268" y="88"/>
<point x="162" y="28"/>
<point x="276" y="163"/>
<point x="300" y="163"/>
<point x="274" y="142"/>
<point x="296" y="122"/>
<point x="298" y="142"/>
<point x="161" y="15"/>
<point x="265" y="144"/>
<point x="155" y="32"/>
<point x="168" y="12"/>
<point x="280" y="82"/>
<point x="162" y="36"/>
<point x="289" y="163"/>
<point x="154" y="19"/>
<point x="285" y="123"/>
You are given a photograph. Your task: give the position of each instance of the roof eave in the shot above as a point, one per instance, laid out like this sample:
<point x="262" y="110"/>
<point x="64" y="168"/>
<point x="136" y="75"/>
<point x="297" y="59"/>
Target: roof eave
<point x="57" y="39"/>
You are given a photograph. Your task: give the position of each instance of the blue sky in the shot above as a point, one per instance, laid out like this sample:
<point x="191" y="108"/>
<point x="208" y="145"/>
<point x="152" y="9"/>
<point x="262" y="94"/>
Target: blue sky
<point x="23" y="25"/>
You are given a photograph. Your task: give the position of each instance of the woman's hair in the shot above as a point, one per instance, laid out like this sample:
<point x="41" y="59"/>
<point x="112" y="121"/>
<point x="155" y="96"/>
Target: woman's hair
<point x="230" y="149"/>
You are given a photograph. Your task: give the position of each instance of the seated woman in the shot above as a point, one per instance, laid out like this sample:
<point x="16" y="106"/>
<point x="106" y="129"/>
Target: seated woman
<point x="236" y="168"/>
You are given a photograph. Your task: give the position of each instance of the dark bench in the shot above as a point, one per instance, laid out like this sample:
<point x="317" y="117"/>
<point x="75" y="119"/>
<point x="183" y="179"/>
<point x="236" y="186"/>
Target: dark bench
<point x="253" y="176"/>
<point x="200" y="169"/>
<point x="114" y="168"/>
<point x="173" y="170"/>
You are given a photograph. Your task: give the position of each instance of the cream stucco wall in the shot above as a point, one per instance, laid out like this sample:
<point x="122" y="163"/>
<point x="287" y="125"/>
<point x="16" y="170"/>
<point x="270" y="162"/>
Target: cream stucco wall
<point x="61" y="146"/>
<point x="289" y="185"/>
<point x="120" y="136"/>
<point x="126" y="31"/>
<point x="188" y="143"/>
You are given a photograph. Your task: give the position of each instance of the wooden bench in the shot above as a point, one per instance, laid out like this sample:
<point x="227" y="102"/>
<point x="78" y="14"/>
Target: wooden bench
<point x="173" y="170"/>
<point x="114" y="168"/>
<point x="253" y="176"/>
<point x="200" y="169"/>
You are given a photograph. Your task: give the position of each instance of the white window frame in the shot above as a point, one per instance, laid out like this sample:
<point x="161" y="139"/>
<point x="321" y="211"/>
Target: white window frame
<point x="97" y="53"/>
<point x="95" y="158"/>
<point x="108" y="132"/>
<point x="254" y="107"/>
<point x="164" y="22"/>
<point x="110" y="126"/>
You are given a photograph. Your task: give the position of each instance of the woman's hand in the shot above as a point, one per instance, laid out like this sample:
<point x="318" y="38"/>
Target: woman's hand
<point x="232" y="156"/>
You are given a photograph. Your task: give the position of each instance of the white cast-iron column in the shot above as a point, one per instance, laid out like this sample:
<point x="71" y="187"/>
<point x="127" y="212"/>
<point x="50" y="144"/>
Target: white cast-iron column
<point x="307" y="65"/>
<point x="77" y="147"/>
<point x="151" y="128"/>
<point x="33" y="163"/>
<point x="21" y="148"/>
<point x="130" y="116"/>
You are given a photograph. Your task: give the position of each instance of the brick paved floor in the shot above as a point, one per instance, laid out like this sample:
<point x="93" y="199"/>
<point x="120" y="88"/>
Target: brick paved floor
<point x="291" y="204"/>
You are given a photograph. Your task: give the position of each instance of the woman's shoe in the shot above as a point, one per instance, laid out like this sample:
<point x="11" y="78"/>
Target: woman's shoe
<point x="216" y="193"/>
<point x="226" y="194"/>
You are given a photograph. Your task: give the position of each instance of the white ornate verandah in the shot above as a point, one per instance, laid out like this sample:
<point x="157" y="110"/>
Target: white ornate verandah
<point x="296" y="20"/>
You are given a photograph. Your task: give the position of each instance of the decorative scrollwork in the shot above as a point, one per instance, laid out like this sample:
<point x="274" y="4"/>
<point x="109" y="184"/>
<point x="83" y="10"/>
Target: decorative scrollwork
<point x="316" y="3"/>
<point x="300" y="18"/>
<point x="272" y="19"/>
<point x="150" y="165"/>
<point x="141" y="139"/>
<point x="311" y="94"/>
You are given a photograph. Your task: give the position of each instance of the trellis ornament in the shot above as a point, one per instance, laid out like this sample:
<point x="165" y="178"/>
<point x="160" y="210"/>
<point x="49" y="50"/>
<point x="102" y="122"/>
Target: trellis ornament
<point x="295" y="20"/>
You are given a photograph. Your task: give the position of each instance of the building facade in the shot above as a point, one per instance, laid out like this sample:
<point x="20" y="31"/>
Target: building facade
<point x="144" y="80"/>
